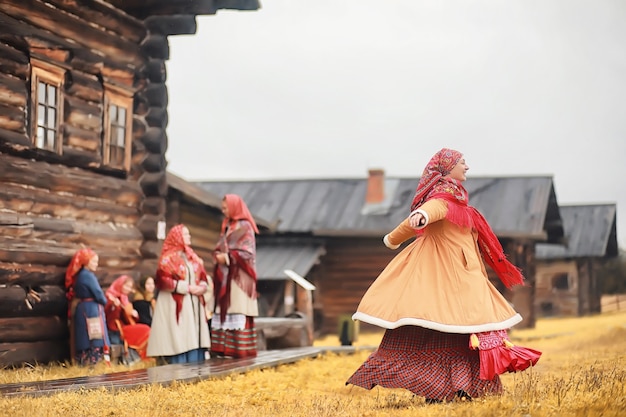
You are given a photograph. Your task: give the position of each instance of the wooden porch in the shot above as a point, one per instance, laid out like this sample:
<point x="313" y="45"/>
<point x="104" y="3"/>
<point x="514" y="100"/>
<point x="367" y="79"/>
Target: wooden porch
<point x="167" y="374"/>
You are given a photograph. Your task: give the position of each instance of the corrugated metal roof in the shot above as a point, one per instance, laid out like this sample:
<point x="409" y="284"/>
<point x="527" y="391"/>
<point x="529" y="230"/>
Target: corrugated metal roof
<point x="514" y="206"/>
<point x="590" y="231"/>
<point x="273" y="259"/>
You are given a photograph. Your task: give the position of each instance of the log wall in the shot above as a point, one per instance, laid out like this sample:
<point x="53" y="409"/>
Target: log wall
<point x="51" y="204"/>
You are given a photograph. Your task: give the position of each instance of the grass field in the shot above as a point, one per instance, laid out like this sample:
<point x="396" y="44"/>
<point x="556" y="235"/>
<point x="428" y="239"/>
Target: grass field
<point x="582" y="373"/>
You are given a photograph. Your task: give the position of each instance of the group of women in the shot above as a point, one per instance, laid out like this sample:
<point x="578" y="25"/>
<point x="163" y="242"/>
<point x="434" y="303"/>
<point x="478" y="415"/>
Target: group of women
<point x="445" y="323"/>
<point x="193" y="314"/>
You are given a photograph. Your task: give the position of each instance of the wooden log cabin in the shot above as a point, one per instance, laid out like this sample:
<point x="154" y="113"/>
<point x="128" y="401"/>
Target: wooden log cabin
<point x="336" y="227"/>
<point x="83" y="117"/>
<point x="568" y="283"/>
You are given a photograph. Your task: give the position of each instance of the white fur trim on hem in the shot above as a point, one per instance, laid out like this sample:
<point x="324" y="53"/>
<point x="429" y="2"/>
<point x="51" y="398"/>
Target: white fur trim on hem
<point x="388" y="244"/>
<point x="446" y="328"/>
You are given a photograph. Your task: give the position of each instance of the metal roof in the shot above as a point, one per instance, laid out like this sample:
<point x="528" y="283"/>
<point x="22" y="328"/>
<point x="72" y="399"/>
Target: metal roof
<point x="521" y="206"/>
<point x="193" y="192"/>
<point x="273" y="259"/>
<point x="590" y="231"/>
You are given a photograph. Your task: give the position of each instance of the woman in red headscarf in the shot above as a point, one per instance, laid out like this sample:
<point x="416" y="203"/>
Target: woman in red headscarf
<point x="232" y="328"/>
<point x="89" y="341"/>
<point x="180" y="332"/>
<point x="121" y="320"/>
<point x="435" y="299"/>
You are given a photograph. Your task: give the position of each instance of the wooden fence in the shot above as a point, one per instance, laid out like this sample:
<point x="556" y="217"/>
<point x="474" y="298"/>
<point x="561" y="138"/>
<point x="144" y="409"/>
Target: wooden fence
<point x="613" y="302"/>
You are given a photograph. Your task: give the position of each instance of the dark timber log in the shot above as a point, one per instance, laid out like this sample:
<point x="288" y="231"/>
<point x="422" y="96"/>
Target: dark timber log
<point x="33" y="329"/>
<point x="41" y="202"/>
<point x="33" y="353"/>
<point x="148" y="226"/>
<point x="12" y="118"/>
<point x="40" y="15"/>
<point x="156" y="46"/>
<point x="155" y="71"/>
<point x="172" y="25"/>
<point x="79" y="138"/>
<point x="13" y="62"/>
<point x="33" y="274"/>
<point x="154" y="184"/>
<point x="118" y="75"/>
<point x="102" y="14"/>
<point x="151" y="249"/>
<point x="154" y="205"/>
<point x="155" y="140"/>
<point x="154" y="163"/>
<point x="81" y="113"/>
<point x="58" y="178"/>
<point x="13" y="91"/>
<point x="82" y="158"/>
<point x="15" y="139"/>
<point x="156" y="94"/>
<point x="84" y="86"/>
<point x="14" y="302"/>
<point x="140" y="105"/>
<point x="157" y="117"/>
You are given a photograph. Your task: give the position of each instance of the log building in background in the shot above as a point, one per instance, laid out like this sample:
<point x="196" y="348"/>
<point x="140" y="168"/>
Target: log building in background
<point x="338" y="224"/>
<point x="568" y="283"/>
<point x="83" y="116"/>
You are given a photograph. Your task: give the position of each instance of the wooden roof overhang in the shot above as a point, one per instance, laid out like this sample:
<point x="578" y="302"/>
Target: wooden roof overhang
<point x="143" y="9"/>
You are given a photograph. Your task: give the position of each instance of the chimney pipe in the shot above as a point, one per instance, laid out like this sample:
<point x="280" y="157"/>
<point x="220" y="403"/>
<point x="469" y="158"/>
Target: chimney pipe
<point x="375" y="186"/>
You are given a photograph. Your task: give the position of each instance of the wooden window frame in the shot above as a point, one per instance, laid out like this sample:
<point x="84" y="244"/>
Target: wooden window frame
<point x="50" y="74"/>
<point x="121" y="98"/>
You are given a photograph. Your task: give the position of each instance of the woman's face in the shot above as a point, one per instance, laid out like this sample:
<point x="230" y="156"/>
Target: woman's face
<point x="92" y="265"/>
<point x="186" y="236"/>
<point x="149" y="285"/>
<point x="128" y="287"/>
<point x="225" y="211"/>
<point x="459" y="171"/>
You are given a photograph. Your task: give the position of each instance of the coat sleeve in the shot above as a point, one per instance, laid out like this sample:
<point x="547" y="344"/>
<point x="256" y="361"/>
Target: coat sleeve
<point x="400" y="234"/>
<point x="433" y="211"/>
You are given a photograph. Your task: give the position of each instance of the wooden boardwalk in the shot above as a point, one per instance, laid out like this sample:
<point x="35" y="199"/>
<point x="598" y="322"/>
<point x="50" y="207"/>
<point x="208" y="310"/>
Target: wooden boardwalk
<point x="167" y="374"/>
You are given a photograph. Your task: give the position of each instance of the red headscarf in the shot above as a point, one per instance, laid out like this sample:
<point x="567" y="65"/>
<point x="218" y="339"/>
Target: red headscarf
<point x="433" y="185"/>
<point x="438" y="167"/>
<point x="79" y="260"/>
<point x="116" y="289"/>
<point x="171" y="264"/>
<point x="237" y="210"/>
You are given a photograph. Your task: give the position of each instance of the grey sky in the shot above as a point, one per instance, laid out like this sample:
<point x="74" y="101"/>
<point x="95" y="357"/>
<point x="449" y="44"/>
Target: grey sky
<point x="330" y="88"/>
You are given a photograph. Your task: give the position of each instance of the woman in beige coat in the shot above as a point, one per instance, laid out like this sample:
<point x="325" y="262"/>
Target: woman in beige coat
<point x="180" y="331"/>
<point x="446" y="323"/>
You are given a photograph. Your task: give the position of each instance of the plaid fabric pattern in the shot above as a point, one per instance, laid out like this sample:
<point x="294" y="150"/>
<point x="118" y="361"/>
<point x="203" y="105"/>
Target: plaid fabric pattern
<point x="235" y="343"/>
<point x="426" y="362"/>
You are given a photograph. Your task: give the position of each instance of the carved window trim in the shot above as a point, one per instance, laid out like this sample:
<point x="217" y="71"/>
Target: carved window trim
<point x="50" y="76"/>
<point x="115" y="99"/>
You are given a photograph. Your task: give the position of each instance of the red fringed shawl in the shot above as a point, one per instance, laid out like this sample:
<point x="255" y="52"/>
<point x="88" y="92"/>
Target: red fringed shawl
<point x="464" y="215"/>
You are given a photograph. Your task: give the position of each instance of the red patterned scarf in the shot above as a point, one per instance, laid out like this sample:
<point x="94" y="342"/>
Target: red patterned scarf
<point x="172" y="263"/>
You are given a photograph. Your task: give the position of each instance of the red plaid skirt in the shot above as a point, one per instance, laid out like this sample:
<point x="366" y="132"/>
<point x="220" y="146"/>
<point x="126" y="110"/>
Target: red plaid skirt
<point x="428" y="363"/>
<point x="235" y="343"/>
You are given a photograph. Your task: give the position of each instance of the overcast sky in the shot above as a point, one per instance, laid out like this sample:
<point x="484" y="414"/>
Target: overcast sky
<point x="331" y="88"/>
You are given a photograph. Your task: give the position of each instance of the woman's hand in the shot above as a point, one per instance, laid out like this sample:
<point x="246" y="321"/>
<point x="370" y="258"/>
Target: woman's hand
<point x="222" y="258"/>
<point x="197" y="290"/>
<point x="135" y="314"/>
<point x="116" y="301"/>
<point x="417" y="220"/>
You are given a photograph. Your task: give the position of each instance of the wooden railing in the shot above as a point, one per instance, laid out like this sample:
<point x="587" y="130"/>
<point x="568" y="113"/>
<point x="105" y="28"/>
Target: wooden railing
<point x="613" y="302"/>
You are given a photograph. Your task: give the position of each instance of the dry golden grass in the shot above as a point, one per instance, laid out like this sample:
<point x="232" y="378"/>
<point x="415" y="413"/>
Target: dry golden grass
<point x="582" y="373"/>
